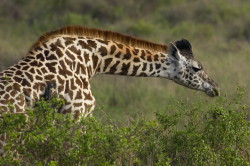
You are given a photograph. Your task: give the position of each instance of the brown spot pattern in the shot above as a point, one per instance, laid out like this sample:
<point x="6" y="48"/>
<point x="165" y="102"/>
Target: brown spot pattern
<point x="74" y="50"/>
<point x="103" y="51"/>
<point x="84" y="45"/>
<point x="125" y="68"/>
<point x="112" y="49"/>
<point x="127" y="56"/>
<point x="135" y="69"/>
<point x="92" y="44"/>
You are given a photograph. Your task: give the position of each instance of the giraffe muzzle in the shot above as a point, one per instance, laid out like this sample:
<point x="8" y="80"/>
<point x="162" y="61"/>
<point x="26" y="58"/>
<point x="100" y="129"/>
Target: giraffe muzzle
<point x="211" y="89"/>
<point x="213" y="93"/>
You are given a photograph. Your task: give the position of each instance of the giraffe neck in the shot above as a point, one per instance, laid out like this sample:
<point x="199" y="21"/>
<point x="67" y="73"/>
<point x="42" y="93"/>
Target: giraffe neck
<point x="85" y="56"/>
<point x="125" y="60"/>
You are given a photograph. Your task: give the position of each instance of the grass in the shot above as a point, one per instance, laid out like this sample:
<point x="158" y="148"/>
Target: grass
<point x="181" y="134"/>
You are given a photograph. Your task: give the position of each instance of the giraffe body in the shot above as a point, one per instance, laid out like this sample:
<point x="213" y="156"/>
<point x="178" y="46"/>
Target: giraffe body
<point x="69" y="57"/>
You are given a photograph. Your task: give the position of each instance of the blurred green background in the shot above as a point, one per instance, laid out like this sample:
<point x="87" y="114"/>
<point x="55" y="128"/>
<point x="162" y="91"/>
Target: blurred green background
<point x="218" y="30"/>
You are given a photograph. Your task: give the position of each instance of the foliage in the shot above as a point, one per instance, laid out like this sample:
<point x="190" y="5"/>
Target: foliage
<point x="186" y="136"/>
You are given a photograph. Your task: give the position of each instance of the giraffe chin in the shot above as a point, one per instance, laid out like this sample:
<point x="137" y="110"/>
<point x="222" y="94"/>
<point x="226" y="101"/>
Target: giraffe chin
<point x="213" y="93"/>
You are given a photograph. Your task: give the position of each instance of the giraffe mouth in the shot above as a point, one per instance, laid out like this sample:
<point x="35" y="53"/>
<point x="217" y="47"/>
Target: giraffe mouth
<point x="213" y="93"/>
<point x="211" y="88"/>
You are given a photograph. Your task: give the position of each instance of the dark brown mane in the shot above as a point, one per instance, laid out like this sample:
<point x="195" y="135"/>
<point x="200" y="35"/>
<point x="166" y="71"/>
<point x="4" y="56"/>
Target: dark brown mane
<point x="102" y="34"/>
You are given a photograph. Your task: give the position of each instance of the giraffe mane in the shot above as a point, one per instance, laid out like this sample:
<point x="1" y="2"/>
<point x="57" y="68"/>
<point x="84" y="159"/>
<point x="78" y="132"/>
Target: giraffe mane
<point x="82" y="31"/>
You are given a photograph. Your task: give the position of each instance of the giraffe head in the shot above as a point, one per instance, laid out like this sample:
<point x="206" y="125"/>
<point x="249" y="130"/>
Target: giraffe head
<point x="187" y="71"/>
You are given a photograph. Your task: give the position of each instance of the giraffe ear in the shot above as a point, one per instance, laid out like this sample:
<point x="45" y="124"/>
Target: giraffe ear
<point x="173" y="52"/>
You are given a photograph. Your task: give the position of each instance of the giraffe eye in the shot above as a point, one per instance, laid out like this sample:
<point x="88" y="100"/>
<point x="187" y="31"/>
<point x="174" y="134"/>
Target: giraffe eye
<point x="196" y="69"/>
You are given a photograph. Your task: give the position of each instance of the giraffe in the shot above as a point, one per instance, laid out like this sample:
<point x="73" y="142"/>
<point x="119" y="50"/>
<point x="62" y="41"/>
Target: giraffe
<point x="66" y="59"/>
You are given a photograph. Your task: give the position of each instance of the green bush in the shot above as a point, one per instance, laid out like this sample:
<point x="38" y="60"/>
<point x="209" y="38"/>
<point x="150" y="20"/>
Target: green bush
<point x="185" y="136"/>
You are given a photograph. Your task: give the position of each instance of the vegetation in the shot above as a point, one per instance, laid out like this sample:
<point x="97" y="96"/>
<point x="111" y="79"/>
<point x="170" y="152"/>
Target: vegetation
<point x="187" y="135"/>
